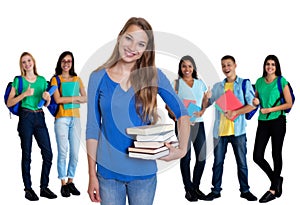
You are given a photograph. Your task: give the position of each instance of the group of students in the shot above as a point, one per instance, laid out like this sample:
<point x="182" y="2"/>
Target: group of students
<point x="32" y="123"/>
<point x="271" y="124"/>
<point x="123" y="93"/>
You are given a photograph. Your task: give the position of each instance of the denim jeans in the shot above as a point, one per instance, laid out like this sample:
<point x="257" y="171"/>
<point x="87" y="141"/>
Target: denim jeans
<point x="197" y="137"/>
<point x="240" y="150"/>
<point x="33" y="124"/>
<point x="68" y="133"/>
<point x="113" y="192"/>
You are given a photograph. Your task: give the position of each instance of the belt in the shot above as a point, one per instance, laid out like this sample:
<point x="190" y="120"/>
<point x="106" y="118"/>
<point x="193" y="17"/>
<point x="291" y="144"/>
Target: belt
<point x="28" y="110"/>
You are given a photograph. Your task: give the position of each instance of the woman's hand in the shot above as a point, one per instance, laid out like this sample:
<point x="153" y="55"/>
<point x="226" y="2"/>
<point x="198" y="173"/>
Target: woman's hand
<point x="255" y="101"/>
<point x="94" y="189"/>
<point x="29" y="91"/>
<point x="46" y="96"/>
<point x="265" y="110"/>
<point x="175" y="153"/>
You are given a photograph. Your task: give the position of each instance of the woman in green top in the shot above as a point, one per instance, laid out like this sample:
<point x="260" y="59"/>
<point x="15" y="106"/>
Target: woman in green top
<point x="271" y="123"/>
<point x="32" y="123"/>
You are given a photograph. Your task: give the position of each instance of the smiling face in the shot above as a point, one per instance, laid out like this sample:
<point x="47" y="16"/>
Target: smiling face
<point x="132" y="44"/>
<point x="66" y="63"/>
<point x="270" y="67"/>
<point x="228" y="68"/>
<point x="27" y="63"/>
<point x="187" y="68"/>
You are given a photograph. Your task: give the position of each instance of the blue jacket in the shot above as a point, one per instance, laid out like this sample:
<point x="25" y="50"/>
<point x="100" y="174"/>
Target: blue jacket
<point x="240" y="122"/>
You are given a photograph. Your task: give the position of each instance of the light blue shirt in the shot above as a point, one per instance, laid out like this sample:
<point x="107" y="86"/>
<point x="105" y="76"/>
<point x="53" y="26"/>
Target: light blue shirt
<point x="240" y="122"/>
<point x="195" y="92"/>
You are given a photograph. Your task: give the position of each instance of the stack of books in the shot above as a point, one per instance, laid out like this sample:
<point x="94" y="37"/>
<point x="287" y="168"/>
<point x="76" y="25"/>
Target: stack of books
<point x="150" y="141"/>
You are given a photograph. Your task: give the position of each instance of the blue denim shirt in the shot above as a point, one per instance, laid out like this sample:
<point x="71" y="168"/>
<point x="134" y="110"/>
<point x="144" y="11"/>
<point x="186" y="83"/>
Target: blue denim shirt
<point x="240" y="122"/>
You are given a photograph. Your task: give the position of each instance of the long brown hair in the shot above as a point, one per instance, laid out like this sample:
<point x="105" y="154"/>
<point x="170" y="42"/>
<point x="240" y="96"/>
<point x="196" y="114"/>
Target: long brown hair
<point x="23" y="73"/>
<point x="143" y="77"/>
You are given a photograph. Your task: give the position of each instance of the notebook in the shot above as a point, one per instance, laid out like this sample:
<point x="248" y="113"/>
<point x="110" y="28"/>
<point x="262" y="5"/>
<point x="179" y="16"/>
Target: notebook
<point x="70" y="89"/>
<point x="228" y="101"/>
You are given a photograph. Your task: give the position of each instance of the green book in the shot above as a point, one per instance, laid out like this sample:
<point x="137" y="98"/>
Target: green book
<point x="70" y="89"/>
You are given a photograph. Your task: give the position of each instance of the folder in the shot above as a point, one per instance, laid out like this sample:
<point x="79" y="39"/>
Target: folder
<point x="228" y="101"/>
<point x="191" y="109"/>
<point x="70" y="89"/>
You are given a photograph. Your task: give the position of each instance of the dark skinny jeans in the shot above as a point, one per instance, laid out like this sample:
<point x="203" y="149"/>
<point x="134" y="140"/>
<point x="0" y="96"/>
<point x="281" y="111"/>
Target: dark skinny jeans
<point x="198" y="138"/>
<point x="274" y="129"/>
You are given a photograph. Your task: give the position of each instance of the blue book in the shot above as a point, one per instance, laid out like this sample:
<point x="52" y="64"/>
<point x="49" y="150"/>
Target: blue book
<point x="191" y="109"/>
<point x="70" y="89"/>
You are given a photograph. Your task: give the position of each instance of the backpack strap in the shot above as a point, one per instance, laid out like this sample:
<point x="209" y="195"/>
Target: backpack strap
<point x="58" y="81"/>
<point x="20" y="87"/>
<point x="176" y="85"/>
<point x="244" y="88"/>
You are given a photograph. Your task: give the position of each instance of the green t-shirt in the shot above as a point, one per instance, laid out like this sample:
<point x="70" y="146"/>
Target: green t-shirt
<point x="39" y="86"/>
<point x="268" y="94"/>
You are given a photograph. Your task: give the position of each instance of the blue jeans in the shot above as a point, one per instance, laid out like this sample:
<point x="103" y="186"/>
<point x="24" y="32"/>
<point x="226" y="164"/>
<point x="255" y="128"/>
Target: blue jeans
<point x="68" y="133"/>
<point x="33" y="124"/>
<point x="240" y="150"/>
<point x="197" y="137"/>
<point x="113" y="192"/>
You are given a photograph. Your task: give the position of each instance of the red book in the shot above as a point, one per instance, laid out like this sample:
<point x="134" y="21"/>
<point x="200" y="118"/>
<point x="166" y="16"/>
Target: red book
<point x="228" y="101"/>
<point x="187" y="102"/>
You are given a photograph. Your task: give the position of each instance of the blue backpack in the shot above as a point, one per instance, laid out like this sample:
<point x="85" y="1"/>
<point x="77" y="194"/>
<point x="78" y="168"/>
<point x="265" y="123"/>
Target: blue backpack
<point x="53" y="106"/>
<point x="250" y="114"/>
<point x="15" y="108"/>
<point x="281" y="98"/>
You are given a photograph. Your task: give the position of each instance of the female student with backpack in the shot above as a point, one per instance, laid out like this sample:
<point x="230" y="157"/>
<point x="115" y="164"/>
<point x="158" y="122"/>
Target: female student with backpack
<point x="32" y="122"/>
<point x="69" y="95"/>
<point x="271" y="123"/>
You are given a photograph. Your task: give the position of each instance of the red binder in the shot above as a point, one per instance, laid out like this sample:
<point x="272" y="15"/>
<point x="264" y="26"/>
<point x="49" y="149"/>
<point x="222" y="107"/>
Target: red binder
<point x="228" y="101"/>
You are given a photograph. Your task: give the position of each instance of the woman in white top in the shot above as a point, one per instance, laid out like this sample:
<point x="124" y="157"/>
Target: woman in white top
<point x="191" y="91"/>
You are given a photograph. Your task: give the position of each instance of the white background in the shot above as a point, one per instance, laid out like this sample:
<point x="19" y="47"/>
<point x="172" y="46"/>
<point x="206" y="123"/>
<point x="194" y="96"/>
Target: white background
<point x="248" y="30"/>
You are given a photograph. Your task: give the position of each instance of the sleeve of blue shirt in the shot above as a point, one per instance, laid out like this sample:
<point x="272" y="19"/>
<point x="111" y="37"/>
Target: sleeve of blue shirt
<point x="93" y="109"/>
<point x="169" y="96"/>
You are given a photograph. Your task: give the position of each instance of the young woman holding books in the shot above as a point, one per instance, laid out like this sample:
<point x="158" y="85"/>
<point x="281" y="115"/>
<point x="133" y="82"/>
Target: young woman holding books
<point x="122" y="93"/>
<point x="69" y="95"/>
<point x="191" y="91"/>
<point x="271" y="123"/>
<point x="32" y="123"/>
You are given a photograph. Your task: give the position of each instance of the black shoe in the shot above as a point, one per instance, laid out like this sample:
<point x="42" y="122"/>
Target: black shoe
<point x="191" y="195"/>
<point x="31" y="195"/>
<point x="278" y="190"/>
<point x="46" y="192"/>
<point x="65" y="192"/>
<point x="200" y="194"/>
<point x="73" y="189"/>
<point x="249" y="196"/>
<point x="211" y="196"/>
<point x="268" y="196"/>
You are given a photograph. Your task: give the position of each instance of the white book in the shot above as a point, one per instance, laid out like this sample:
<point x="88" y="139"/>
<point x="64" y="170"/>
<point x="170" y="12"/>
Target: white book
<point x="149" y="129"/>
<point x="149" y="156"/>
<point x="161" y="137"/>
<point x="153" y="144"/>
<point x="151" y="150"/>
